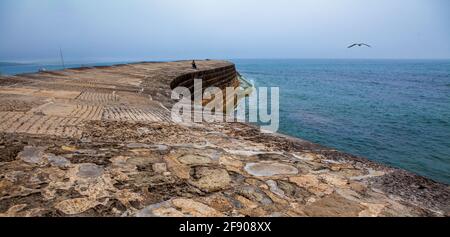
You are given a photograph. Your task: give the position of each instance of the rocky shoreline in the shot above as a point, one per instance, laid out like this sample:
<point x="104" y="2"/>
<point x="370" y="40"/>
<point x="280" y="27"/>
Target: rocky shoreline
<point x="99" y="142"/>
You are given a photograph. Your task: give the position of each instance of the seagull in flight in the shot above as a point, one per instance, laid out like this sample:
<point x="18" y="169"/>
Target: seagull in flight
<point x="359" y="45"/>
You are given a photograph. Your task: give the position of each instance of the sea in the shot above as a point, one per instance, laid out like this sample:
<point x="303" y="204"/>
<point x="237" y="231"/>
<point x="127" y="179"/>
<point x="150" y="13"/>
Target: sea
<point x="395" y="112"/>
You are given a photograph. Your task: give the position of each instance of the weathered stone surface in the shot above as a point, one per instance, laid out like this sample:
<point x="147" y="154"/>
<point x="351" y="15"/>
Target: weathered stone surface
<point x="159" y="147"/>
<point x="231" y="163"/>
<point x="312" y="184"/>
<point x="195" y="209"/>
<point x="254" y="194"/>
<point x="177" y="168"/>
<point x="76" y="206"/>
<point x="194" y="160"/>
<point x="68" y="148"/>
<point x="305" y="156"/>
<point x="270" y="169"/>
<point x="32" y="155"/>
<point x="159" y="167"/>
<point x="210" y="179"/>
<point x="306" y="180"/>
<point x="58" y="161"/>
<point x="373" y="209"/>
<point x="167" y="212"/>
<point x="275" y="189"/>
<point x="334" y="180"/>
<point x="137" y="145"/>
<point x="332" y="206"/>
<point x="218" y="202"/>
<point x="163" y="209"/>
<point x="90" y="171"/>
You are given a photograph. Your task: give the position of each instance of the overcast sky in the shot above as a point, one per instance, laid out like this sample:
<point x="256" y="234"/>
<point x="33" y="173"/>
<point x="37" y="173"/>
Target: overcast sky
<point x="110" y="30"/>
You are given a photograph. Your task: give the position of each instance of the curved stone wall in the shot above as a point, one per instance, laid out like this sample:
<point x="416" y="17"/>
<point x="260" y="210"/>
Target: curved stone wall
<point x="219" y="77"/>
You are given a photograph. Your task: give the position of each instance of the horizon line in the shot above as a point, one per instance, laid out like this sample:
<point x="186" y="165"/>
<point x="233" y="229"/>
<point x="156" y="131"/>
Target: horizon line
<point x="117" y="60"/>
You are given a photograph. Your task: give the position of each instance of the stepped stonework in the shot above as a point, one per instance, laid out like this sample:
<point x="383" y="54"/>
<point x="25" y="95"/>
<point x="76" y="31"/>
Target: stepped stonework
<point x="100" y="141"/>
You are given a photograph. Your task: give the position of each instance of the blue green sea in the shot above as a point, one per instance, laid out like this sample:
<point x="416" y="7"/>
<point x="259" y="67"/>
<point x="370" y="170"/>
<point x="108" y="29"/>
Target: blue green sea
<point x="396" y="112"/>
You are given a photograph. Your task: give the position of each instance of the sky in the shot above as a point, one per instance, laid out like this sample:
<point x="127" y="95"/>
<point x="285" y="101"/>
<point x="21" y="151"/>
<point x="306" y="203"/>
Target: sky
<point x="117" y="30"/>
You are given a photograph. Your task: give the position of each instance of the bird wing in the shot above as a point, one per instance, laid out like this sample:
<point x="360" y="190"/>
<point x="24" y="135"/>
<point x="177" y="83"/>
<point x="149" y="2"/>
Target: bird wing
<point x="367" y="45"/>
<point x="351" y="46"/>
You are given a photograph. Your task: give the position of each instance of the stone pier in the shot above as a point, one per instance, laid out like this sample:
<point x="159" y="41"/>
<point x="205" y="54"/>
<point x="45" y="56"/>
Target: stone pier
<point x="99" y="141"/>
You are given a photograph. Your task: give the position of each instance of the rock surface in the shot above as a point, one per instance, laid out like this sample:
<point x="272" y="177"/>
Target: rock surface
<point x="210" y="180"/>
<point x="269" y="169"/>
